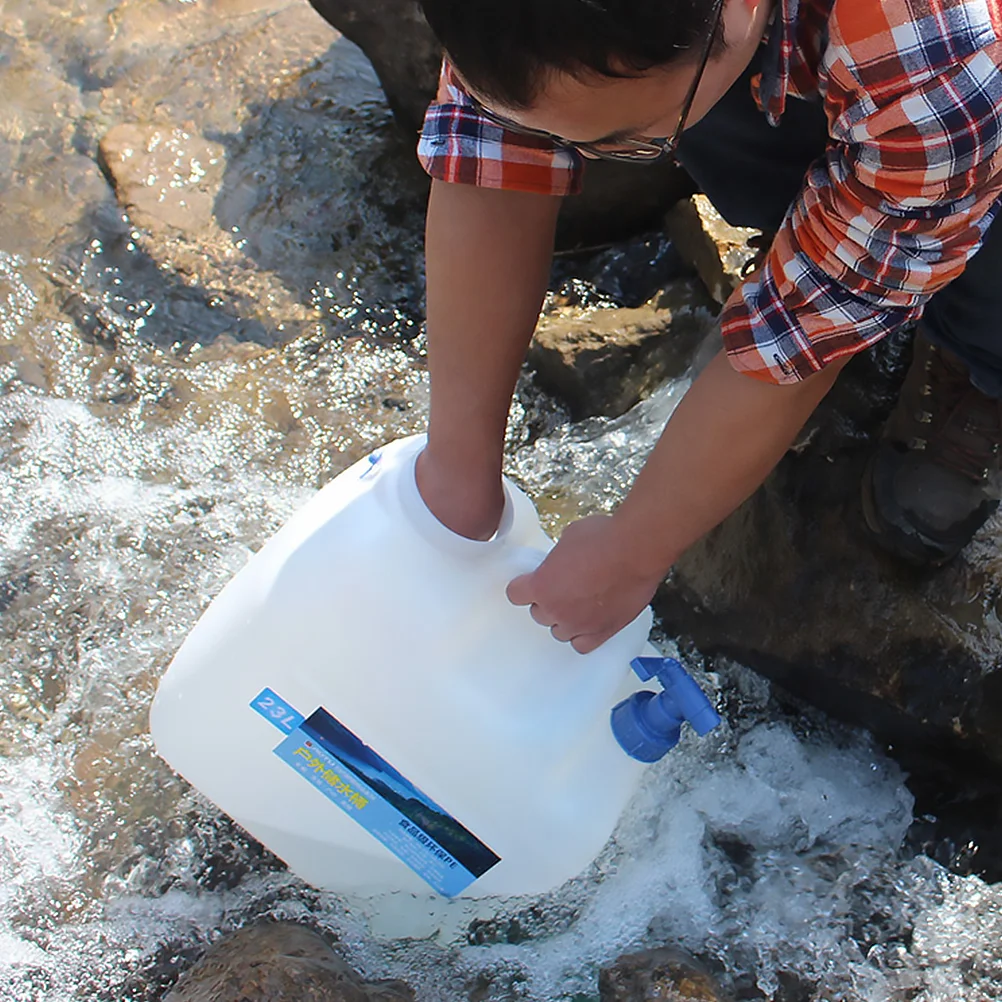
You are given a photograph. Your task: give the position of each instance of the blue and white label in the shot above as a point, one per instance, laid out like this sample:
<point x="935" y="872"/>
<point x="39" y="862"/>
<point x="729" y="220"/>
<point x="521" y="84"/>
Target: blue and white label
<point x="444" y="853"/>
<point x="276" y="711"/>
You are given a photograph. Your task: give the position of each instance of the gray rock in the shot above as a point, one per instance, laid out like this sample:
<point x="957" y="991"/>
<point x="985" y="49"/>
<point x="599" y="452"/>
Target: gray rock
<point x="791" y="586"/>
<point x="602" y="361"/>
<point x="665" y="974"/>
<point x="618" y="199"/>
<point x="400" y="46"/>
<point x="279" y="962"/>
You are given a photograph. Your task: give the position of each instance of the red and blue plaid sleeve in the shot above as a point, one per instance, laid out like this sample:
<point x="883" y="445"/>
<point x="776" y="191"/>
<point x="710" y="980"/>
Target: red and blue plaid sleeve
<point x="459" y="145"/>
<point x="908" y="187"/>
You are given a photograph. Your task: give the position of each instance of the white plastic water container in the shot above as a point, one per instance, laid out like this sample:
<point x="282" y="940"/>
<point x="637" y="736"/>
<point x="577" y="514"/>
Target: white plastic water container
<point x="364" y="700"/>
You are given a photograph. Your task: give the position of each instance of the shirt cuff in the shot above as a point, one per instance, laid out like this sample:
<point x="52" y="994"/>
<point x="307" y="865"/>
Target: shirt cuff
<point x="770" y="339"/>
<point x="457" y="145"/>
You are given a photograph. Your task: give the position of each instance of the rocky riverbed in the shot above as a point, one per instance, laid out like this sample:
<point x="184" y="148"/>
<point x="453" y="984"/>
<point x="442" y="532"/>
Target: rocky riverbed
<point x="210" y="303"/>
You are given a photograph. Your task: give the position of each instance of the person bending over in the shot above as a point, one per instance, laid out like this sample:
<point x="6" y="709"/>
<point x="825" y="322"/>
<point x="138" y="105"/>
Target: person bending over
<point x="865" y="133"/>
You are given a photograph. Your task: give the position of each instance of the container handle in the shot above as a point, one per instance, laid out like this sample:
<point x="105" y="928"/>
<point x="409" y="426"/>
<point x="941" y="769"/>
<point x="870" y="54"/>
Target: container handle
<point x="524" y="560"/>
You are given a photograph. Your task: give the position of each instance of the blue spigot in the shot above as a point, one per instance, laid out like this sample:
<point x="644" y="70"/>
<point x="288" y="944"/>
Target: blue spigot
<point x="647" y="725"/>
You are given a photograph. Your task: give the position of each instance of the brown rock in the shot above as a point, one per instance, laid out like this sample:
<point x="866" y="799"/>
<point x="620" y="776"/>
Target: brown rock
<point x="665" y="974"/>
<point x="602" y="361"/>
<point x="164" y="176"/>
<point x="717" y="250"/>
<point x="279" y="962"/>
<point x="169" y="180"/>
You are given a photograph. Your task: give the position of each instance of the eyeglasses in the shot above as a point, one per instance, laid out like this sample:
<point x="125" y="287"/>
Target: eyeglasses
<point x="633" y="150"/>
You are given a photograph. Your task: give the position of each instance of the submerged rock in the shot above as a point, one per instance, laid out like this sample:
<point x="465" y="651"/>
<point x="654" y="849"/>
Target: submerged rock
<point x="168" y="180"/>
<point x="279" y="962"/>
<point x="665" y="974"/>
<point x="165" y="177"/>
<point x="603" y="361"/>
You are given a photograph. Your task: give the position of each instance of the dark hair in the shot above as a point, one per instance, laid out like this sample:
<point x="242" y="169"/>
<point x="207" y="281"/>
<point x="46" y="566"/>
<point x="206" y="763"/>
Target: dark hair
<point x="504" y="48"/>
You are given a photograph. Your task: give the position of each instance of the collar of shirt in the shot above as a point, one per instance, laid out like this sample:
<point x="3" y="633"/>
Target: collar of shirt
<point x="793" y="46"/>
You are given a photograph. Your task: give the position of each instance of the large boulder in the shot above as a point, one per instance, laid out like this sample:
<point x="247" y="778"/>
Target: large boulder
<point x="618" y="199"/>
<point x="791" y="585"/>
<point x="399" y="44"/>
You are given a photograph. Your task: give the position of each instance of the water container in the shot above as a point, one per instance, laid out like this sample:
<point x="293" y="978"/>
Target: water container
<point x="364" y="700"/>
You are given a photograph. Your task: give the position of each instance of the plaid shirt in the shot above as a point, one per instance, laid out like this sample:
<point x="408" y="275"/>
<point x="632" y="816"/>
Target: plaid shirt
<point x="911" y="180"/>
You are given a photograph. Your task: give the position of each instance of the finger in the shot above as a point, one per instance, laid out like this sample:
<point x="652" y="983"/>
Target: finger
<point x="519" y="590"/>
<point x="587" y="642"/>
<point x="539" y="616"/>
<point x="562" y="633"/>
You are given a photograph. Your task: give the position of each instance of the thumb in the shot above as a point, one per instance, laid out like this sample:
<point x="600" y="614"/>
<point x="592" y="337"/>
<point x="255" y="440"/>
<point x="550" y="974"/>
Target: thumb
<point x="519" y="590"/>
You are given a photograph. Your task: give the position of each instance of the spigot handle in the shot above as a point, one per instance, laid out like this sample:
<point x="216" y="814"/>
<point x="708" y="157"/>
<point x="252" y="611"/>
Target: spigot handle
<point x="688" y="700"/>
<point x="648" y="725"/>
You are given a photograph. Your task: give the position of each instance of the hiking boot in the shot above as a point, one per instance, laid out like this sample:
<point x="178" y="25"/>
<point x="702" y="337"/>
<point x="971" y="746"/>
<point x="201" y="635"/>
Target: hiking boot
<point x="933" y="480"/>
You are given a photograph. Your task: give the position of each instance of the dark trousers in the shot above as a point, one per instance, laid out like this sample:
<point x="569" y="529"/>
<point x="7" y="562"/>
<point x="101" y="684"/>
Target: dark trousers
<point x="752" y="172"/>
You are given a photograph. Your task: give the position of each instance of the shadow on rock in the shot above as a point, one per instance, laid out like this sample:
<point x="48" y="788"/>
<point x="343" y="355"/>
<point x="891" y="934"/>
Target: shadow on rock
<point x="328" y="197"/>
<point x="309" y="214"/>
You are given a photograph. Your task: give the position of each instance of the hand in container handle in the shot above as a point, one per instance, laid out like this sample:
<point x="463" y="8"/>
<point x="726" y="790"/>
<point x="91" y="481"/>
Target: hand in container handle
<point x="524" y="560"/>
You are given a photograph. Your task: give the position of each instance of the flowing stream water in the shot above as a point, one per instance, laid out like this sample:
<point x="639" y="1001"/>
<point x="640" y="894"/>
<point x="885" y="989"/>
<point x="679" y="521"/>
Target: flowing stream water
<point x="174" y="381"/>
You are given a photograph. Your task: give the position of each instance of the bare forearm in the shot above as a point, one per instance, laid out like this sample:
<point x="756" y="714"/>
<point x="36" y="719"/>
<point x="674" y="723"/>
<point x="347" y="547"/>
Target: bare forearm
<point x="720" y="444"/>
<point x="488" y="255"/>
<point x="727" y="434"/>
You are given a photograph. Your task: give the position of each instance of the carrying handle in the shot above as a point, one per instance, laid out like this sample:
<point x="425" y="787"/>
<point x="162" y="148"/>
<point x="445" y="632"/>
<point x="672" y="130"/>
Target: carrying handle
<point x="524" y="560"/>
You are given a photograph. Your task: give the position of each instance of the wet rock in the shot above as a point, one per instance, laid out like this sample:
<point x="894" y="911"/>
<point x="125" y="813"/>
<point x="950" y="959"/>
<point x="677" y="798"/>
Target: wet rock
<point x="618" y="200"/>
<point x="602" y="361"/>
<point x="629" y="273"/>
<point x="791" y="586"/>
<point x="717" y="250"/>
<point x="168" y="180"/>
<point x="665" y="974"/>
<point x="279" y="962"/>
<point x="164" y="176"/>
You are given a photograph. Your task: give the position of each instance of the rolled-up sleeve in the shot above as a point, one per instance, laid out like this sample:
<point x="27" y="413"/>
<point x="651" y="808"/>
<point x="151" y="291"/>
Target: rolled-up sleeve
<point x="459" y="145"/>
<point x="903" y="198"/>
